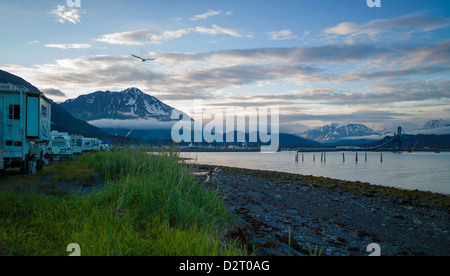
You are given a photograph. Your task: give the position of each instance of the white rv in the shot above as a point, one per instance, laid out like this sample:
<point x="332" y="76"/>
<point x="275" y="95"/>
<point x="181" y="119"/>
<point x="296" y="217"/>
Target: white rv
<point x="26" y="127"/>
<point x="77" y="144"/>
<point x="96" y="144"/>
<point x="86" y="144"/>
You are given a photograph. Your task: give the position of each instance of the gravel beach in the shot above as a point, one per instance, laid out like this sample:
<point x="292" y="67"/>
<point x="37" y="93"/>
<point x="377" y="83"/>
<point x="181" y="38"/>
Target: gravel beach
<point x="281" y="214"/>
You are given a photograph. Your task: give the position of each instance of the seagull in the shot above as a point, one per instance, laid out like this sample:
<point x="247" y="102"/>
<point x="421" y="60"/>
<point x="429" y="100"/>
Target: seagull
<point x="143" y="59"/>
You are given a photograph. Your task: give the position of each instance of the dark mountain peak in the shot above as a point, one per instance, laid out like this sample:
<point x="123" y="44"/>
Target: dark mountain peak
<point x="130" y="103"/>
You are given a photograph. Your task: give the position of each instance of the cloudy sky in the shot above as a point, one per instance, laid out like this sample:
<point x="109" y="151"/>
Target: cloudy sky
<point x="319" y="61"/>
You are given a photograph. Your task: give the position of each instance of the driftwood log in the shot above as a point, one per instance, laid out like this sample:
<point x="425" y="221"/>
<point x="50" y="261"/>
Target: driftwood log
<point x="211" y="176"/>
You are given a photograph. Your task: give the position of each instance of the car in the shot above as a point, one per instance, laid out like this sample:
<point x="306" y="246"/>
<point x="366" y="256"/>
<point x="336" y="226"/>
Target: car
<point x="60" y="148"/>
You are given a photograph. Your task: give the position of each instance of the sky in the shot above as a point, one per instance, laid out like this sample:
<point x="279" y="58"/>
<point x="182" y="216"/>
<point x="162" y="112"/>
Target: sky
<point x="320" y="62"/>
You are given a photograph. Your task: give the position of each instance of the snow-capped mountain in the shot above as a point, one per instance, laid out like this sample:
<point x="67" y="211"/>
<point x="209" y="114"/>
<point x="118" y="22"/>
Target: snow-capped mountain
<point x="433" y="127"/>
<point x="335" y="132"/>
<point x="436" y="124"/>
<point x="131" y="103"/>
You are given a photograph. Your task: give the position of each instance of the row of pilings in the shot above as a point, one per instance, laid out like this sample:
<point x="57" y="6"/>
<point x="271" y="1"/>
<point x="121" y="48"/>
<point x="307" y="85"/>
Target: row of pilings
<point x="323" y="157"/>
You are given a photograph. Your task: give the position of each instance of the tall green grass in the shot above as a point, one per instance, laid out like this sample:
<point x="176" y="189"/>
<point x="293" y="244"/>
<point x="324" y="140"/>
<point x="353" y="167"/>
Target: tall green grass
<point x="149" y="205"/>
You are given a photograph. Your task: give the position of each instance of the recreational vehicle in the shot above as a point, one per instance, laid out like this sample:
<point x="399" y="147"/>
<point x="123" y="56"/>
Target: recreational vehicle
<point x="91" y="144"/>
<point x="25" y="127"/>
<point x="86" y="144"/>
<point x="77" y="144"/>
<point x="96" y="146"/>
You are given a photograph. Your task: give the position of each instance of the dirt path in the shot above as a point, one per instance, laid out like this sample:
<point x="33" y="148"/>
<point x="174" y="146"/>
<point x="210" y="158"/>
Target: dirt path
<point x="284" y="214"/>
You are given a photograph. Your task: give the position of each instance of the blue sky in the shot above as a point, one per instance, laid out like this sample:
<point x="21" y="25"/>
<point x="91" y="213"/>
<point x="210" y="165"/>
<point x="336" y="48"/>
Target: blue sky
<point x="320" y="61"/>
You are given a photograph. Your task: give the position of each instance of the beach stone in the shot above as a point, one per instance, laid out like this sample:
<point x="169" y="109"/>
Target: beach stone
<point x="304" y="189"/>
<point x="347" y="217"/>
<point x="293" y="212"/>
<point x="417" y="221"/>
<point x="279" y="197"/>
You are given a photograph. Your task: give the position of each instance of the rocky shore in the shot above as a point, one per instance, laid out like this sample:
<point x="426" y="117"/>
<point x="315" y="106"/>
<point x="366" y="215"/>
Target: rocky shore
<point x="281" y="214"/>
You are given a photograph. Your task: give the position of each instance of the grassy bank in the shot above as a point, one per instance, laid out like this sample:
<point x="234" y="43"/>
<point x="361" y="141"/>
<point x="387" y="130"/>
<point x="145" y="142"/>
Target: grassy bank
<point x="149" y="205"/>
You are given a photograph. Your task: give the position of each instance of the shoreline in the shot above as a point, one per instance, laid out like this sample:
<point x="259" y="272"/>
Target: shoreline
<point x="285" y="214"/>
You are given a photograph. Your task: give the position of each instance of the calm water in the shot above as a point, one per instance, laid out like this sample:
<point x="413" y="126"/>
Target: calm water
<point x="425" y="171"/>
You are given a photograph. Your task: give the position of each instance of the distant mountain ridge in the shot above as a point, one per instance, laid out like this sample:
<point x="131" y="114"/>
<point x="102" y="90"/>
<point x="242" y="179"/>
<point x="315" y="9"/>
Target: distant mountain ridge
<point x="432" y="124"/>
<point x="335" y="132"/>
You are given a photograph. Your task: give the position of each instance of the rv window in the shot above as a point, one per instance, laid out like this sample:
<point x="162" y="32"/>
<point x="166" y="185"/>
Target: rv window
<point x="14" y="112"/>
<point x="44" y="111"/>
<point x="59" y="143"/>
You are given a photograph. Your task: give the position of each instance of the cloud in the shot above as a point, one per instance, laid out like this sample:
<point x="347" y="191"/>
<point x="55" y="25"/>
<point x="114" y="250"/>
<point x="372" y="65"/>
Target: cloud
<point x="69" y="15"/>
<point x="53" y="92"/>
<point x="361" y="116"/>
<point x="141" y="37"/>
<point x="397" y="27"/>
<point x="205" y="15"/>
<point x="327" y="78"/>
<point x="69" y="46"/>
<point x="135" y="124"/>
<point x="281" y="35"/>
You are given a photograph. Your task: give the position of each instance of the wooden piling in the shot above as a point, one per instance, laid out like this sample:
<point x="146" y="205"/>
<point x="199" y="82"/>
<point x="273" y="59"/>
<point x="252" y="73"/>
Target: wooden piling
<point x="314" y="158"/>
<point x="356" y="158"/>
<point x="366" y="156"/>
<point x="343" y="157"/>
<point x="296" y="158"/>
<point x="381" y="157"/>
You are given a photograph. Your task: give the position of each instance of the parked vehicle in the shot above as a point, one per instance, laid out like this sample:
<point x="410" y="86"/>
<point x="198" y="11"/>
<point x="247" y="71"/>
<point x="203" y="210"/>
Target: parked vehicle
<point x="77" y="144"/>
<point x="107" y="146"/>
<point x="96" y="144"/>
<point x="26" y="126"/>
<point x="60" y="148"/>
<point x="86" y="144"/>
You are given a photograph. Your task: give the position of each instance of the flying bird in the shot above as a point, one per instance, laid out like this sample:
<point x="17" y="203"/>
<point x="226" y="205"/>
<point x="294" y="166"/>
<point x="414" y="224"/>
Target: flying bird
<point x="143" y="59"/>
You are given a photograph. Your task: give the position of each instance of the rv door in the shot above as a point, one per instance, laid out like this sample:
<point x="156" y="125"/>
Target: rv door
<point x="32" y="117"/>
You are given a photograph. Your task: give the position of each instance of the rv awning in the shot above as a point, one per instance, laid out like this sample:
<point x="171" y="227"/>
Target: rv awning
<point x="107" y="143"/>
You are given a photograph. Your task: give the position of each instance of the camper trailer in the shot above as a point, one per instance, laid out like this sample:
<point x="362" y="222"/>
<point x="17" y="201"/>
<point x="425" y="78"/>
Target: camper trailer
<point x="96" y="146"/>
<point x="25" y="127"/>
<point x="87" y="144"/>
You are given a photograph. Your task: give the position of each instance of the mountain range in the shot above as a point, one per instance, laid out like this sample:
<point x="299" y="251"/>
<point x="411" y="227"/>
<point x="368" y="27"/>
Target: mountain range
<point x="354" y="134"/>
<point x="127" y="113"/>
<point x="335" y="132"/>
<point x="134" y="114"/>
<point x="131" y="103"/>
